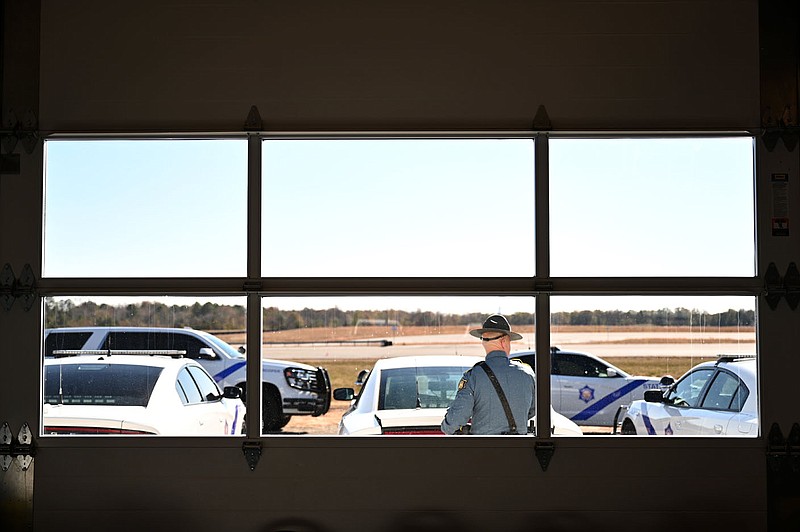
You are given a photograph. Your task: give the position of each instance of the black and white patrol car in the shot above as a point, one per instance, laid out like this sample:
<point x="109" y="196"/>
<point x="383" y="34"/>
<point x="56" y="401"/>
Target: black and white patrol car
<point x="289" y="388"/>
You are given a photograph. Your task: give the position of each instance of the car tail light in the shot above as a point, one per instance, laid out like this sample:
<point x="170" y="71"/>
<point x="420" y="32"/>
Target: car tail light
<point x="413" y="431"/>
<point x="95" y="430"/>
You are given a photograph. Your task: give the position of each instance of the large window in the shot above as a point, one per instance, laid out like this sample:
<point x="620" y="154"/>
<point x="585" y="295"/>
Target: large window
<point x="652" y="207"/>
<point x="370" y="259"/>
<point x="397" y="208"/>
<point x="145" y="208"/>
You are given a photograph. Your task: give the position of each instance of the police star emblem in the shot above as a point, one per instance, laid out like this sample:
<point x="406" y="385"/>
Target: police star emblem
<point x="586" y="394"/>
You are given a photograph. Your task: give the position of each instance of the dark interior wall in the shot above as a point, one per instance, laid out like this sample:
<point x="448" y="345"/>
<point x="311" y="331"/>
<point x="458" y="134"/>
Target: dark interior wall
<point x="363" y="65"/>
<point x="360" y="64"/>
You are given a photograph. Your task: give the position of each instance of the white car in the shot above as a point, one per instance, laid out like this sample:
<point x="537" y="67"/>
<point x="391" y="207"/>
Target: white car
<point x="712" y="399"/>
<point x="587" y="389"/>
<point x="289" y="388"/>
<point x="410" y="395"/>
<point x="141" y="393"/>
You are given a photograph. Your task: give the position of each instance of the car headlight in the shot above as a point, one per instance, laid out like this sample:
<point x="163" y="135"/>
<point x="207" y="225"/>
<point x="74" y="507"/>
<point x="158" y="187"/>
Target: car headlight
<point x="302" y="379"/>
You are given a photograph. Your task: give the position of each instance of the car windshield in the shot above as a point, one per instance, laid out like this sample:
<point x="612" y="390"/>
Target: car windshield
<point x="224" y="346"/>
<point x="99" y="384"/>
<point x="687" y="390"/>
<point x="422" y="387"/>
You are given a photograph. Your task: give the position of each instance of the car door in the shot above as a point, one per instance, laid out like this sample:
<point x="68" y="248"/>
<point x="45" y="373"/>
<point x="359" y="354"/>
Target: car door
<point x="199" y="415"/>
<point x="216" y="419"/>
<point x="681" y="413"/>
<point x="721" y="405"/>
<point x="588" y="393"/>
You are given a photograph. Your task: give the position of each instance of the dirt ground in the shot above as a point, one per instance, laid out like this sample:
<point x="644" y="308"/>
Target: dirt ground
<point x="327" y="424"/>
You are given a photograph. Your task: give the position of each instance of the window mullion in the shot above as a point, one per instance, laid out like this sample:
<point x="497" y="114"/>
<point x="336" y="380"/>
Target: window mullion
<point x="254" y="322"/>
<point x="542" y="316"/>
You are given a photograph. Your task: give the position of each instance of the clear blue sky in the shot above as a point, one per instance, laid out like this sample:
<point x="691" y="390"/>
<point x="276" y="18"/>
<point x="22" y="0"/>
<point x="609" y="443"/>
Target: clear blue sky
<point x="671" y="207"/>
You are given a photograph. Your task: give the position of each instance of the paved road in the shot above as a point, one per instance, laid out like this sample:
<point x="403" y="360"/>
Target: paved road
<point x="601" y="344"/>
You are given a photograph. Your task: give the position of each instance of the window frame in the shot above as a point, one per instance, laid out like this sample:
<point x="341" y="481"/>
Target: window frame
<point x="542" y="286"/>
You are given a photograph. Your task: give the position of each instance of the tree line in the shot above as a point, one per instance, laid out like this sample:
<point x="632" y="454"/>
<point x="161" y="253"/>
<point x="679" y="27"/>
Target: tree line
<point x="212" y="316"/>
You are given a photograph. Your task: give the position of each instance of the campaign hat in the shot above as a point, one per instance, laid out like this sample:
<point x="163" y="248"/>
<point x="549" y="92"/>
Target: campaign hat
<point x="496" y="323"/>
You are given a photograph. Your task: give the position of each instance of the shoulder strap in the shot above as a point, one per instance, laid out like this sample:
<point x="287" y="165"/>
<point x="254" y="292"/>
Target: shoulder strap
<point x="512" y="425"/>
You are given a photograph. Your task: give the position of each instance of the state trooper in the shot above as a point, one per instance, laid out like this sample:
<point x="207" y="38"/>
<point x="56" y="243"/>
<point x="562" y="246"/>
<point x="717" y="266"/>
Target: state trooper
<point x="497" y="395"/>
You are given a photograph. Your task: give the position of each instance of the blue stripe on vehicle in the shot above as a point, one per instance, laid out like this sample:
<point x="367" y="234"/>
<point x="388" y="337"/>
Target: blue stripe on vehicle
<point x="598" y="405"/>
<point x="651" y="430"/>
<point x="235" y="419"/>
<point x="227" y="371"/>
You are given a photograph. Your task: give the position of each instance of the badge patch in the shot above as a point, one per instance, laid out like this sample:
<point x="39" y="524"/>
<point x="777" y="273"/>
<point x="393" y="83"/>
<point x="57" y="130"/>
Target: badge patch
<point x="586" y="394"/>
<point x="462" y="383"/>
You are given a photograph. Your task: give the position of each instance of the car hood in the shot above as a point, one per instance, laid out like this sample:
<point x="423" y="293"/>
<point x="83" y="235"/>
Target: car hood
<point x="272" y="362"/>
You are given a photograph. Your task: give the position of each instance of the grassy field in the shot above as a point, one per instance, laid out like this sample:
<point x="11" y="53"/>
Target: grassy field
<point x="343" y="372"/>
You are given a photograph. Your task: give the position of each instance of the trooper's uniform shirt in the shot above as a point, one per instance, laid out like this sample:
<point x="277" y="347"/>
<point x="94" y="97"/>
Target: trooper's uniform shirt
<point x="477" y="399"/>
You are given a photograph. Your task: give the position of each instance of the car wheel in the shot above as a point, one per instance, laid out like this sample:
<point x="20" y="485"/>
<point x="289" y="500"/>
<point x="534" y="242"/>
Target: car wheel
<point x="271" y="411"/>
<point x="628" y="428"/>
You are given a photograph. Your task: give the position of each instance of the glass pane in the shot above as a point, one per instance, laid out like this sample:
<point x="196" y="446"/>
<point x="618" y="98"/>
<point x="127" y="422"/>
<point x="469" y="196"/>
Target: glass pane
<point x="136" y="366"/>
<point x="145" y="208"/>
<point x="372" y="208"/>
<point x="652" y="207"/>
<point x="670" y="346"/>
<point x="393" y="363"/>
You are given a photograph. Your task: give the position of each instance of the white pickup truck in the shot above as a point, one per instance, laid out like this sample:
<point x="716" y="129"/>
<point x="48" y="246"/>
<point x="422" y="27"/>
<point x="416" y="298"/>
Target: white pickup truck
<point x="289" y="388"/>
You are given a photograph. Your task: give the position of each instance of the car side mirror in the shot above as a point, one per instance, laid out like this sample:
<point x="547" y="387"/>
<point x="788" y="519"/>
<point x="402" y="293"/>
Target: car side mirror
<point x="362" y="377"/>
<point x="344" y="394"/>
<point x="242" y="349"/>
<point x="206" y="353"/>
<point x="232" y="392"/>
<point x="654" y="396"/>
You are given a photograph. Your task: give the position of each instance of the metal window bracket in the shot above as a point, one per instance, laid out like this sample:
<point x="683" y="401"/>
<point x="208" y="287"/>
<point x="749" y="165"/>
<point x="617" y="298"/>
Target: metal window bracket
<point x="541" y="122"/>
<point x="12" y="288"/>
<point x="253" y="121"/>
<point x="776" y="287"/>
<point x="15" y="131"/>
<point x="787" y="133"/>
<point x="783" y="454"/>
<point x="252" y="453"/>
<point x="776" y="448"/>
<point x="22" y="447"/>
<point x="544" y="451"/>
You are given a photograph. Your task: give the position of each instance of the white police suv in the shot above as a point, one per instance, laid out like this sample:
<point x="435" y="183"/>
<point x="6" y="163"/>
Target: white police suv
<point x="716" y="398"/>
<point x="289" y="388"/>
<point x="587" y="389"/>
